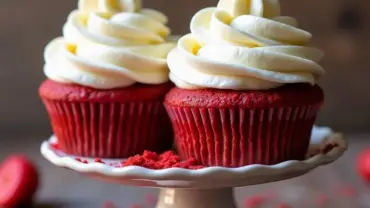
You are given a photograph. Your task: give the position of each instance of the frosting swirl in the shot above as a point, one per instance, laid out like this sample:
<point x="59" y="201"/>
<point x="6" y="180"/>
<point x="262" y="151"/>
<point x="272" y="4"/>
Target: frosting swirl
<point x="244" y="45"/>
<point x="110" y="44"/>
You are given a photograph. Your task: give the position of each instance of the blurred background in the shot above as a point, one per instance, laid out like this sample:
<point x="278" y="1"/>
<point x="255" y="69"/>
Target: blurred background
<point x="339" y="27"/>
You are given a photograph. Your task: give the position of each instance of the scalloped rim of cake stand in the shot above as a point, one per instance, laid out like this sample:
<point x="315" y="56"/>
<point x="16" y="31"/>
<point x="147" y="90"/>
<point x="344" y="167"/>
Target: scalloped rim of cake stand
<point x="205" y="178"/>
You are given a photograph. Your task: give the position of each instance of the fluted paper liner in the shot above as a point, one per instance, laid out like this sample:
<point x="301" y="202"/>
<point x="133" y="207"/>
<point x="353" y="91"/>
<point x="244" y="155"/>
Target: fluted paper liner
<point x="109" y="130"/>
<point x="234" y="137"/>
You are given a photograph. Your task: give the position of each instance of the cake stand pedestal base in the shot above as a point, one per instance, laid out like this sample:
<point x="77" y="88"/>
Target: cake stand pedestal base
<point x="196" y="198"/>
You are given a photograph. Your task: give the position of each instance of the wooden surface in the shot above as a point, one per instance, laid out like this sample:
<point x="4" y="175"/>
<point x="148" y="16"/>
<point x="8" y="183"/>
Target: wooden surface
<point x="64" y="188"/>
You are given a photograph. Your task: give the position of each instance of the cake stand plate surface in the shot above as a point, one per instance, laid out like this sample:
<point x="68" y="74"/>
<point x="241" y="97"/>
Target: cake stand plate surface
<point x="209" y="187"/>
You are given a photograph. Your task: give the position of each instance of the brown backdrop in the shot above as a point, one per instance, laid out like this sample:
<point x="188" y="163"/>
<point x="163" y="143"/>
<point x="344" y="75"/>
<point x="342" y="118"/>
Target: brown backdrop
<point x="26" y="26"/>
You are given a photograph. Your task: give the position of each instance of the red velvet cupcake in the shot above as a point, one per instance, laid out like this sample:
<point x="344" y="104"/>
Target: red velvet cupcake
<point x="105" y="87"/>
<point x="237" y="128"/>
<point x="114" y="123"/>
<point x="246" y="86"/>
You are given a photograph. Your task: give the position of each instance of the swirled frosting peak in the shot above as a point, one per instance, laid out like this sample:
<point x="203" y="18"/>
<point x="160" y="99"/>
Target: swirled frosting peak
<point x="110" y="6"/>
<point x="244" y="45"/>
<point x="110" y="44"/>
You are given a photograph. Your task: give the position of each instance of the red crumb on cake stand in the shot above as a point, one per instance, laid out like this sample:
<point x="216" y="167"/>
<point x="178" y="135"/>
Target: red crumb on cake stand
<point x="148" y="159"/>
<point x="165" y="160"/>
<point x="55" y="145"/>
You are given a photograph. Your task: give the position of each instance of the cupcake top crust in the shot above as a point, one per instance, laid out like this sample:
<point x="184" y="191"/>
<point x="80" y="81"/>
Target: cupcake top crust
<point x="244" y="45"/>
<point x="110" y="44"/>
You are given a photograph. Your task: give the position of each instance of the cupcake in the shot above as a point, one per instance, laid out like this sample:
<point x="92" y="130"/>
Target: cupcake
<point x="246" y="86"/>
<point x="107" y="78"/>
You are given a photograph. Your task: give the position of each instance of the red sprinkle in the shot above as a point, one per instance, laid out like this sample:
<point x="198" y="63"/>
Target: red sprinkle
<point x="78" y="159"/>
<point x="154" y="161"/>
<point x="99" y="160"/>
<point x="254" y="201"/>
<point x="85" y="161"/>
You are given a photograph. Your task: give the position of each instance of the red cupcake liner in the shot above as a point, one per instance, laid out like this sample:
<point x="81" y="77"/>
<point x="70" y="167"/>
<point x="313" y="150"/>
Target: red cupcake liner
<point x="109" y="130"/>
<point x="234" y="137"/>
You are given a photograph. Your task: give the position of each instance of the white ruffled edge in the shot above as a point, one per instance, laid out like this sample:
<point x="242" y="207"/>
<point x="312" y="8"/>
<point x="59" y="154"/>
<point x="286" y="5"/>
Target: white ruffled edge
<point x="321" y="137"/>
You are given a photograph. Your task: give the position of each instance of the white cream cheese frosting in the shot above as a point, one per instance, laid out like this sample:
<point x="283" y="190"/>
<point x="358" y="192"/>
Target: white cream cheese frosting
<point x="110" y="44"/>
<point x="244" y="45"/>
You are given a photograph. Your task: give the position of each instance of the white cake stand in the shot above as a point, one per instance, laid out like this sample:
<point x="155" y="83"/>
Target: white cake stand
<point x="209" y="187"/>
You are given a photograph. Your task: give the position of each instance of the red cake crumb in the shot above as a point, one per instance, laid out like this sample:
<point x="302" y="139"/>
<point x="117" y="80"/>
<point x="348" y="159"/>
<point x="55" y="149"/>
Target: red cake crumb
<point x="55" y="145"/>
<point x="99" y="160"/>
<point x="151" y="160"/>
<point x="254" y="201"/>
<point x="81" y="160"/>
<point x="154" y="161"/>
